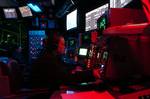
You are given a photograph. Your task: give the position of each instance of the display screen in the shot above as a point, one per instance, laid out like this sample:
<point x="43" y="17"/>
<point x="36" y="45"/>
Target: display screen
<point x="36" y="38"/>
<point x="51" y="24"/>
<point x="43" y="22"/>
<point x="104" y="57"/>
<point x="83" y="51"/>
<point x="34" y="7"/>
<point x="102" y="23"/>
<point x="119" y="3"/>
<point x="71" y="21"/>
<point x="10" y="13"/>
<point x="86" y="38"/>
<point x="25" y="11"/>
<point x="92" y="16"/>
<point x="72" y="42"/>
<point x="35" y="22"/>
<point x="4" y="59"/>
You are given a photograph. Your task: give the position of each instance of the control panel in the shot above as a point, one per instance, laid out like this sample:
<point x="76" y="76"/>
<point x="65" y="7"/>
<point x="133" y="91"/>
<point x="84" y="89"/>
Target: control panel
<point x="35" y="43"/>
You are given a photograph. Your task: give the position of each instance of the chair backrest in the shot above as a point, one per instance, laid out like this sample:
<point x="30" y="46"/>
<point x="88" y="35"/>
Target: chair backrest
<point x="4" y="79"/>
<point x="4" y="86"/>
<point x="16" y="76"/>
<point x="4" y="70"/>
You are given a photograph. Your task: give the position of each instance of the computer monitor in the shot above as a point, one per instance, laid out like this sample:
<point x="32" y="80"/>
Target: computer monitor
<point x="10" y="13"/>
<point x="85" y="38"/>
<point x="92" y="16"/>
<point x="104" y="56"/>
<point x="36" y="8"/>
<point x="4" y="59"/>
<point x="102" y="23"/>
<point x="51" y="24"/>
<point x="25" y="11"/>
<point x="36" y="38"/>
<point x="83" y="51"/>
<point x="71" y="43"/>
<point x="119" y="3"/>
<point x="71" y="20"/>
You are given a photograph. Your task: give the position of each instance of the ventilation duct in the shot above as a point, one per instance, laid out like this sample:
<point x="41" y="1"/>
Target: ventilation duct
<point x="8" y="3"/>
<point x="65" y="8"/>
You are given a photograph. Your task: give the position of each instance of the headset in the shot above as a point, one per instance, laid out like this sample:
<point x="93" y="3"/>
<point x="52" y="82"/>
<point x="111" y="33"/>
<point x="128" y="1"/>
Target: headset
<point x="52" y="41"/>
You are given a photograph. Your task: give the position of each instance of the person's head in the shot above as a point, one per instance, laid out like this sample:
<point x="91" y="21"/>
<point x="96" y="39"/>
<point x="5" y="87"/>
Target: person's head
<point x="61" y="45"/>
<point x="19" y="49"/>
<point x="55" y="43"/>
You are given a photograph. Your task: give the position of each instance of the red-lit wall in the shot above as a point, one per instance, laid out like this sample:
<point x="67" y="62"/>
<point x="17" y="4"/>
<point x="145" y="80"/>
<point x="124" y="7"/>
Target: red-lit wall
<point x="129" y="55"/>
<point x="122" y="16"/>
<point x="128" y="45"/>
<point x="146" y="8"/>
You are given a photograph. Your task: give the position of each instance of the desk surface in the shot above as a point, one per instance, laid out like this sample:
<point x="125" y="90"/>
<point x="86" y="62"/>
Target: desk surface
<point x="88" y="95"/>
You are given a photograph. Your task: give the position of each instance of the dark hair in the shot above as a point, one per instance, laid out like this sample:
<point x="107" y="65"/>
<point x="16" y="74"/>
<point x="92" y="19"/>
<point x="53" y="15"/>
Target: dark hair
<point x="52" y="41"/>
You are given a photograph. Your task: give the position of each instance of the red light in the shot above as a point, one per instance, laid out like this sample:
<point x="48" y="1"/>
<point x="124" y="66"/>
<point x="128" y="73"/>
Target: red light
<point x="94" y="36"/>
<point x="88" y="95"/>
<point x="42" y="16"/>
<point x="146" y="8"/>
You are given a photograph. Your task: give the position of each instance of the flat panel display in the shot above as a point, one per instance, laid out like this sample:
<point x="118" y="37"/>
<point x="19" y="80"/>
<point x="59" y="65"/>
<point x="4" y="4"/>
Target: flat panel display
<point x="35" y="43"/>
<point x="10" y="13"/>
<point x="51" y="24"/>
<point x="83" y="51"/>
<point x="72" y="43"/>
<point x="25" y="11"/>
<point x="71" y="21"/>
<point x="119" y="3"/>
<point x="92" y="16"/>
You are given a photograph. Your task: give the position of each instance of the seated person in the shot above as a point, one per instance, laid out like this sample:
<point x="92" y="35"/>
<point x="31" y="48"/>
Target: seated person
<point x="17" y="54"/>
<point x="49" y="70"/>
<point x="4" y="69"/>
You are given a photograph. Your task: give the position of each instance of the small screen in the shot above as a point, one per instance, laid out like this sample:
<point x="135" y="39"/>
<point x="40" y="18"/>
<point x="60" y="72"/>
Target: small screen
<point x="83" y="51"/>
<point x="25" y="11"/>
<point x="10" y="13"/>
<point x="4" y="59"/>
<point x="51" y="24"/>
<point x="105" y="56"/>
<point x="72" y="43"/>
<point x="43" y="23"/>
<point x="35" y="22"/>
<point x="102" y="23"/>
<point x="86" y="38"/>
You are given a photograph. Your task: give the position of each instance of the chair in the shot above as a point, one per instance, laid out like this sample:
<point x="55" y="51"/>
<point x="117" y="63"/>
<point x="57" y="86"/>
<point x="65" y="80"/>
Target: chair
<point x="11" y="78"/>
